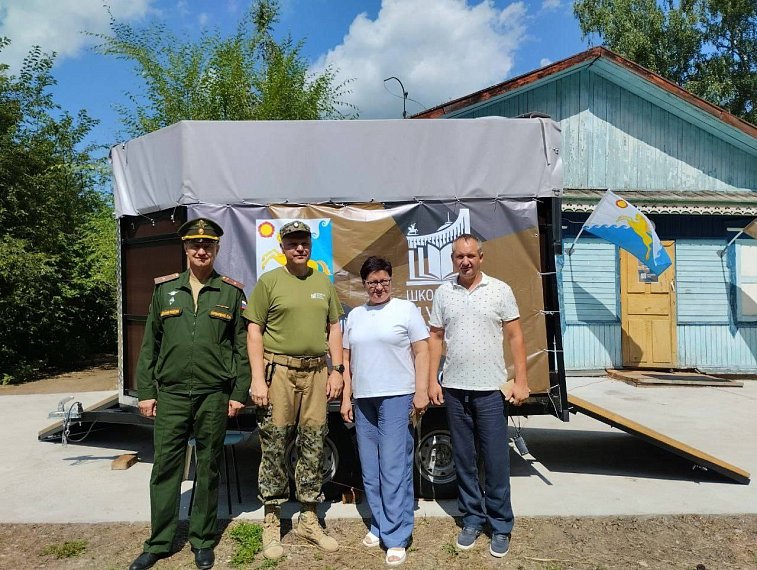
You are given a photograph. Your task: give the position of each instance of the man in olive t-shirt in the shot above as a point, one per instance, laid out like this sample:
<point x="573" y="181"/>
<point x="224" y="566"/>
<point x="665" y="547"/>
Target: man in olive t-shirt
<point x="293" y="320"/>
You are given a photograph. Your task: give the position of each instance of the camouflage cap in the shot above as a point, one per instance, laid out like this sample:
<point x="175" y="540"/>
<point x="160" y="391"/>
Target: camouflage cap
<point x="200" y="228"/>
<point x="296" y="227"/>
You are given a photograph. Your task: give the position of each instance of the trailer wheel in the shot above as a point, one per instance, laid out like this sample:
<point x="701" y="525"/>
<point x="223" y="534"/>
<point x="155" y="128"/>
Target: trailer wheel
<point x="434" y="471"/>
<point x="339" y="459"/>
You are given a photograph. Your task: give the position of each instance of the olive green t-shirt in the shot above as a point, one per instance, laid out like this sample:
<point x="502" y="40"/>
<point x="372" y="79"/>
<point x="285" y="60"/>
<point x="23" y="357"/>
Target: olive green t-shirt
<point x="294" y="312"/>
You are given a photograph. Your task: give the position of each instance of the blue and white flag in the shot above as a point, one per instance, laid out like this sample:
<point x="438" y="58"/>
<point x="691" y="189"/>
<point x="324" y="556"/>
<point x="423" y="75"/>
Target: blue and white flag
<point x="617" y="221"/>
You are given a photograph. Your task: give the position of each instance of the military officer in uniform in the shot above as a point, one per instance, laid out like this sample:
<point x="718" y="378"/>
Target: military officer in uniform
<point x="293" y="321"/>
<point x="193" y="373"/>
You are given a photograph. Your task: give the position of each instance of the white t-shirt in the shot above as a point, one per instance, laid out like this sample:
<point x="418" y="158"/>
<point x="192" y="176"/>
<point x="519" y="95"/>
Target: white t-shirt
<point x="379" y="339"/>
<point x="472" y="323"/>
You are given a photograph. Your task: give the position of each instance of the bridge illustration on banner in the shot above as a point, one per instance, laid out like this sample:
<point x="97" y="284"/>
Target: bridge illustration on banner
<point x="429" y="255"/>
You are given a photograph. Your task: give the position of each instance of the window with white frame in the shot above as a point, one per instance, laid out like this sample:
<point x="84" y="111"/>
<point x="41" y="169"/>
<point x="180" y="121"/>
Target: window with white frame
<point x="746" y="279"/>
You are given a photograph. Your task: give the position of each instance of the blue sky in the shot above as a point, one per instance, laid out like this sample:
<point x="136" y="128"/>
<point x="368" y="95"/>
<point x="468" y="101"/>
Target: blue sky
<point x="440" y="49"/>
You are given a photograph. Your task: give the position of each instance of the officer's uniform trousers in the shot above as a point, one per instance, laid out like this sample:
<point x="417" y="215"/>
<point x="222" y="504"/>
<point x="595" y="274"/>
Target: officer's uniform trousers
<point x="179" y="417"/>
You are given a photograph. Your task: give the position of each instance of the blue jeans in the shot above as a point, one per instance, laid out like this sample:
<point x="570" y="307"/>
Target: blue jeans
<point x="478" y="425"/>
<point x="385" y="443"/>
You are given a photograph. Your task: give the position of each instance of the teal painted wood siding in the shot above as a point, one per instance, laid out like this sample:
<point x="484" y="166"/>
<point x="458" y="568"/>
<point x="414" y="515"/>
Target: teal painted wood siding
<point x="702" y="282"/>
<point x="592" y="346"/>
<point x="613" y="138"/>
<point x="718" y="347"/>
<point x="710" y="335"/>
<point x="589" y="282"/>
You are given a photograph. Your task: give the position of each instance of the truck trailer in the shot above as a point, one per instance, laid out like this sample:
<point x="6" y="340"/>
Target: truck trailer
<point x="400" y="189"/>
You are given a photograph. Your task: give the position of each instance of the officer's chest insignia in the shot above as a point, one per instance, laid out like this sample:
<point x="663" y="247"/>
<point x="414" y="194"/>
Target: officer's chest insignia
<point x="165" y="313"/>
<point x="223" y="315"/>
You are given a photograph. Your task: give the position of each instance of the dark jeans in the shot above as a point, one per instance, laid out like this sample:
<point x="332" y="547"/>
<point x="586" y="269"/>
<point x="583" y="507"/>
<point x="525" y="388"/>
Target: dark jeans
<point x="478" y="425"/>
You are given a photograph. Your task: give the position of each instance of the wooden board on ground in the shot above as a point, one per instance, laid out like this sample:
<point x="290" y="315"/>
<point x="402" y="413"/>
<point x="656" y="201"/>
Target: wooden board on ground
<point x="123" y="462"/>
<point x="658" y="439"/>
<point x="57" y="427"/>
<point x="659" y="378"/>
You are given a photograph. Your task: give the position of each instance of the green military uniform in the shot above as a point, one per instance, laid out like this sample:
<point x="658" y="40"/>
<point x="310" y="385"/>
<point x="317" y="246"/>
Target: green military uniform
<point x="193" y="360"/>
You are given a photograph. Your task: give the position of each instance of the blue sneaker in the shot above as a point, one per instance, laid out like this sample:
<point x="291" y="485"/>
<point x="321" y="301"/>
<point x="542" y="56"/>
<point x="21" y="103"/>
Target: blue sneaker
<point x="467" y="538"/>
<point x="500" y="545"/>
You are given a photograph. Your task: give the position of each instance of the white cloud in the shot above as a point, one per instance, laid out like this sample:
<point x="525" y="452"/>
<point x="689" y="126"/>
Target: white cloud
<point x="440" y="49"/>
<point x="544" y="62"/>
<point x="58" y="25"/>
<point x="550" y="4"/>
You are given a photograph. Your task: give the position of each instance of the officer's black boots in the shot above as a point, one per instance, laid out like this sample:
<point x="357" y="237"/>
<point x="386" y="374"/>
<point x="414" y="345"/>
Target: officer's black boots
<point x="204" y="558"/>
<point x="144" y="561"/>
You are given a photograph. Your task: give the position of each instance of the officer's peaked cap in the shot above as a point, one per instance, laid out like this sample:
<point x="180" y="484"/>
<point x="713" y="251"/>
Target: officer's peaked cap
<point x="200" y="228"/>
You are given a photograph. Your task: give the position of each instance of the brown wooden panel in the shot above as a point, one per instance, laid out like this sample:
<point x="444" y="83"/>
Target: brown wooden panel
<point x="155" y="224"/>
<point x="660" y="440"/>
<point x="133" y="333"/>
<point x="662" y="350"/>
<point x="648" y="317"/>
<point x="149" y="248"/>
<point x="142" y="263"/>
<point x="648" y="305"/>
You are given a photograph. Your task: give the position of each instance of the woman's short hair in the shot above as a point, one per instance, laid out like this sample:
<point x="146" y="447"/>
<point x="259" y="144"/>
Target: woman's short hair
<point x="372" y="264"/>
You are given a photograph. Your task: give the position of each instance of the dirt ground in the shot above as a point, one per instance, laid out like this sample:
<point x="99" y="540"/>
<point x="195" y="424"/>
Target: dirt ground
<point x="544" y="543"/>
<point x="669" y="542"/>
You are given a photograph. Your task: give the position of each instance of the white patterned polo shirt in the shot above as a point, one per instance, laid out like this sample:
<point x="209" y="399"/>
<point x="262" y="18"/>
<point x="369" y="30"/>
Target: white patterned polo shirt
<point x="472" y="323"/>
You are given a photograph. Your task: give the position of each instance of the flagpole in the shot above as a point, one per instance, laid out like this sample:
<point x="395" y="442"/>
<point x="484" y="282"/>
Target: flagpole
<point x="722" y="251"/>
<point x="569" y="251"/>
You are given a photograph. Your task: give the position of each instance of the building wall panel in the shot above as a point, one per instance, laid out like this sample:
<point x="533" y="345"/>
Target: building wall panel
<point x="592" y="346"/>
<point x="718" y="347"/>
<point x="613" y="138"/>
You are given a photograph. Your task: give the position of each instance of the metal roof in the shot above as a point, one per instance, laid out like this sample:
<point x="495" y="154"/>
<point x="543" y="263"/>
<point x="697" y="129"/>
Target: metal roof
<point x="668" y="201"/>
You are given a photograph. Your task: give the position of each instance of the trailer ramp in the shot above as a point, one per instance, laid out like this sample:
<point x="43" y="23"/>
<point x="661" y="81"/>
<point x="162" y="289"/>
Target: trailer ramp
<point x="579" y="405"/>
<point x="54" y="430"/>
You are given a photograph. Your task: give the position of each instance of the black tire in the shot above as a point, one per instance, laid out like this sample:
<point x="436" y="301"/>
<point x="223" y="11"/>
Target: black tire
<point x="339" y="458"/>
<point x="434" y="473"/>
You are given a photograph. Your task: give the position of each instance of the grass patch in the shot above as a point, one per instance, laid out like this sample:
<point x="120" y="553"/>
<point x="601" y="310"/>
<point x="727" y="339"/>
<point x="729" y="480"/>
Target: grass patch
<point x="68" y="549"/>
<point x="450" y="549"/>
<point x="249" y="538"/>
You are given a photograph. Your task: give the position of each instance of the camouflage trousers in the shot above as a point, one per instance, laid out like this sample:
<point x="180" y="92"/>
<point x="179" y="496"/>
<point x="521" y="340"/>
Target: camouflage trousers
<point x="297" y="410"/>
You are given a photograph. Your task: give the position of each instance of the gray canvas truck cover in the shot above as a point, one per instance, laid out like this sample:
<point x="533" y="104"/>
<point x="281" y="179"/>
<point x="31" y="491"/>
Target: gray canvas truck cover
<point x="312" y="162"/>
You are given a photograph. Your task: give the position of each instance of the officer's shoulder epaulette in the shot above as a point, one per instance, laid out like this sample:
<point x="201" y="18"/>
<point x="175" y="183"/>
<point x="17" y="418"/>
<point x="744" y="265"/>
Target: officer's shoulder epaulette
<point x="164" y="278"/>
<point x="233" y="282"/>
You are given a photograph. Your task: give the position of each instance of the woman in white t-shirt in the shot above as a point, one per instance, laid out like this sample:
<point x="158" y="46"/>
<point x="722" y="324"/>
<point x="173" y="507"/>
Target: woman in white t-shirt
<point x="386" y="371"/>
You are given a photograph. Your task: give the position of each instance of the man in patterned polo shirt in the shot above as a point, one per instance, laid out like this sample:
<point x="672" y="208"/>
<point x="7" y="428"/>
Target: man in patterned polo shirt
<point x="470" y="314"/>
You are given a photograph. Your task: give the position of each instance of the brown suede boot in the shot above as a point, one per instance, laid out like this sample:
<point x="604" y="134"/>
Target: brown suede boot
<point x="272" y="549"/>
<point x="309" y="529"/>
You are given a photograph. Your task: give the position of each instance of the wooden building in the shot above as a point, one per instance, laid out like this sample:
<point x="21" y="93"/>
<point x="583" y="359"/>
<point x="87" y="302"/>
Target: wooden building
<point x="691" y="167"/>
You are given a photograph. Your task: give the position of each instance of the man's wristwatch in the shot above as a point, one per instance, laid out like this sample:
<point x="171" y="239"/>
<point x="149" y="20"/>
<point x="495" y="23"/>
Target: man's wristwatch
<point x="338" y="368"/>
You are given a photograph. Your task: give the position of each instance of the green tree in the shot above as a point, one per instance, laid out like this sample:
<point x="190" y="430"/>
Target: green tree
<point x="55" y="308"/>
<point x="246" y="76"/>
<point x="707" y="46"/>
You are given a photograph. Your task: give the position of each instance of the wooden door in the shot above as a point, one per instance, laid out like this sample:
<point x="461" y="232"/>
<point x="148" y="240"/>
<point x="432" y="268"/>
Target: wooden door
<point x="648" y="313"/>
